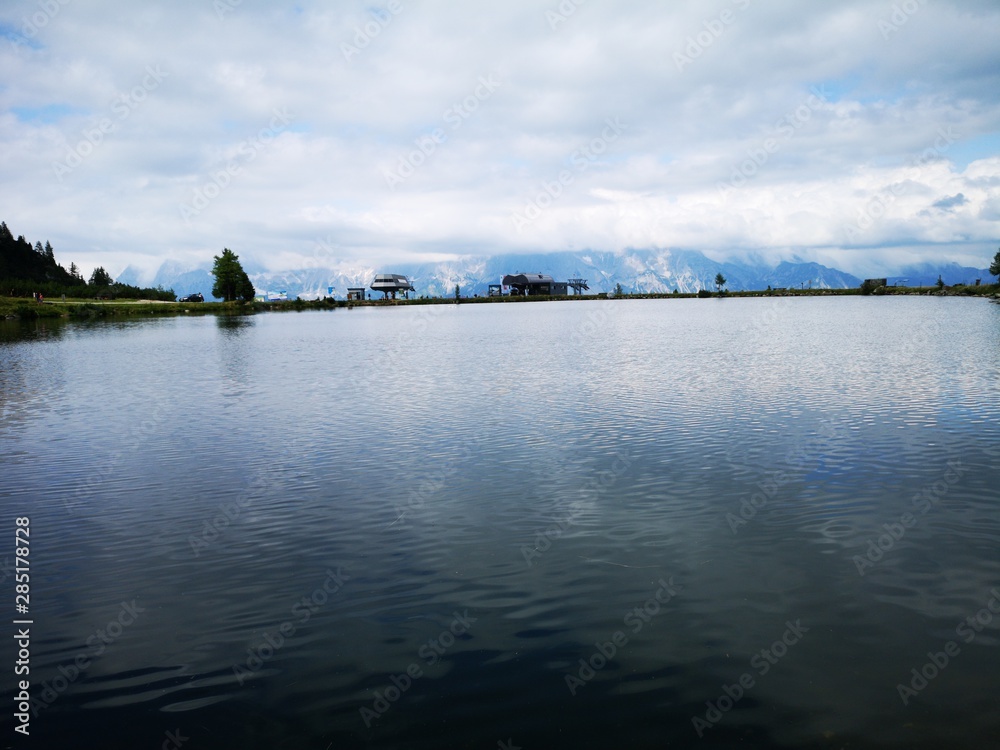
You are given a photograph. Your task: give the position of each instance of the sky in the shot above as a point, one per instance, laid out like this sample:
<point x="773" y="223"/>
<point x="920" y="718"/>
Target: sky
<point x="863" y="135"/>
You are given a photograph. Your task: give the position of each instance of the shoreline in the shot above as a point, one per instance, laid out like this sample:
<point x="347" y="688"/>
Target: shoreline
<point x="20" y="308"/>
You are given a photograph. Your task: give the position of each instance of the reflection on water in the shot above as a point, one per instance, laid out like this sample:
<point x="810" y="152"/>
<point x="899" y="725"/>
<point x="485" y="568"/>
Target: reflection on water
<point x="621" y="524"/>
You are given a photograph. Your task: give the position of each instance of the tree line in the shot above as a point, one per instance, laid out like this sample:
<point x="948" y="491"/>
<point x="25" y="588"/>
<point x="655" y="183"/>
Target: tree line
<point x="26" y="270"/>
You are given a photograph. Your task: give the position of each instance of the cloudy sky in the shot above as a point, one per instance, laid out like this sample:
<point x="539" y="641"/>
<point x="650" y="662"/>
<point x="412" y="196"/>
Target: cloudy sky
<point x="859" y="134"/>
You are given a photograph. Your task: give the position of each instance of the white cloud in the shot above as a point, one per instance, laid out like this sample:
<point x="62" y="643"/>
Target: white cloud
<point x="789" y="126"/>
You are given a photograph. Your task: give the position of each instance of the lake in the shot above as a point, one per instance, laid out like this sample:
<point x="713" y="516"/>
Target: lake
<point x="767" y="523"/>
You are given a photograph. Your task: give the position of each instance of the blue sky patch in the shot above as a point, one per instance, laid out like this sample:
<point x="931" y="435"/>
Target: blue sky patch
<point x="965" y="152"/>
<point x="44" y="115"/>
<point x="13" y="34"/>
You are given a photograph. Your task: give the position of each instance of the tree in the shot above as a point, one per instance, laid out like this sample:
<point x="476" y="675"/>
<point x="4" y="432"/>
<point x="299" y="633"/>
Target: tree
<point x="939" y="283"/>
<point x="100" y="277"/>
<point x="618" y="290"/>
<point x="231" y="281"/>
<point x="49" y="252"/>
<point x="995" y="266"/>
<point x="873" y="286"/>
<point x="720" y="281"/>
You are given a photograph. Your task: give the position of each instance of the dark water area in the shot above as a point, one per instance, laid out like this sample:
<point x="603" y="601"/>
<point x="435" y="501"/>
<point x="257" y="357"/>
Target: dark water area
<point x="766" y="523"/>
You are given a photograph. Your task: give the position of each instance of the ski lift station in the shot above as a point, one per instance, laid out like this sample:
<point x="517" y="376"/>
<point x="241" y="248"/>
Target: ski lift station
<point x="531" y="284"/>
<point x="391" y="284"/>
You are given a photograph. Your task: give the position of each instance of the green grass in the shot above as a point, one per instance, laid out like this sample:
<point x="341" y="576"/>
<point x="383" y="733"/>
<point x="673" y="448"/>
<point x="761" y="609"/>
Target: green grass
<point x="28" y="309"/>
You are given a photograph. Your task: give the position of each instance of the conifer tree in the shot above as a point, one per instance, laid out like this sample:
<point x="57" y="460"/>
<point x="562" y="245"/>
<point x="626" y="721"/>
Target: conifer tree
<point x="231" y="281"/>
<point x="100" y="277"/>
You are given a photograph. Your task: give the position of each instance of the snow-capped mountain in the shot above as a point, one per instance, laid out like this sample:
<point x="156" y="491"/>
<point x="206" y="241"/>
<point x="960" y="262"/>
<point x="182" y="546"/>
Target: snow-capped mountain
<point x="635" y="270"/>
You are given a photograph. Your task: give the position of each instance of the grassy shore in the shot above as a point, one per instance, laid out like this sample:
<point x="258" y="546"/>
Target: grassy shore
<point x="83" y="309"/>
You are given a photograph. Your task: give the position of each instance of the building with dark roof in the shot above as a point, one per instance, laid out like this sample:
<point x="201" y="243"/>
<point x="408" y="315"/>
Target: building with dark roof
<point x="391" y="283"/>
<point x="534" y="284"/>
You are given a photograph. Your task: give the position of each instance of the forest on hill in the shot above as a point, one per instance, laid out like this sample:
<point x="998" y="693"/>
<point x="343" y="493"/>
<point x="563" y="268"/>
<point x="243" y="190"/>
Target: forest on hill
<point x="27" y="270"/>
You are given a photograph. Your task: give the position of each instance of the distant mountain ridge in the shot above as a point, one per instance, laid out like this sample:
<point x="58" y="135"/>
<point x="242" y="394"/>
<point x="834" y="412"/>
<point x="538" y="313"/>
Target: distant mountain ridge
<point x="639" y="271"/>
<point x="926" y="274"/>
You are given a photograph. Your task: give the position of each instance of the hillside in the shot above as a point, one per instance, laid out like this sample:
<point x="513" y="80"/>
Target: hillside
<point x="22" y="263"/>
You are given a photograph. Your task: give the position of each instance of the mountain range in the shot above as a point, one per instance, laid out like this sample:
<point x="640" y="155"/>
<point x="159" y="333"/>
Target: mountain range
<point x="636" y="270"/>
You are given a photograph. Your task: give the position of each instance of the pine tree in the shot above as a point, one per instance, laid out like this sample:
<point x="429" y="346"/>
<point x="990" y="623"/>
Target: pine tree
<point x="100" y="278"/>
<point x="49" y="252"/>
<point x="231" y="281"/>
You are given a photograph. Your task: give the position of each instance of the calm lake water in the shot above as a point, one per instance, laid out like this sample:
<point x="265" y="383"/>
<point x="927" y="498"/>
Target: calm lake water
<point x="767" y="523"/>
